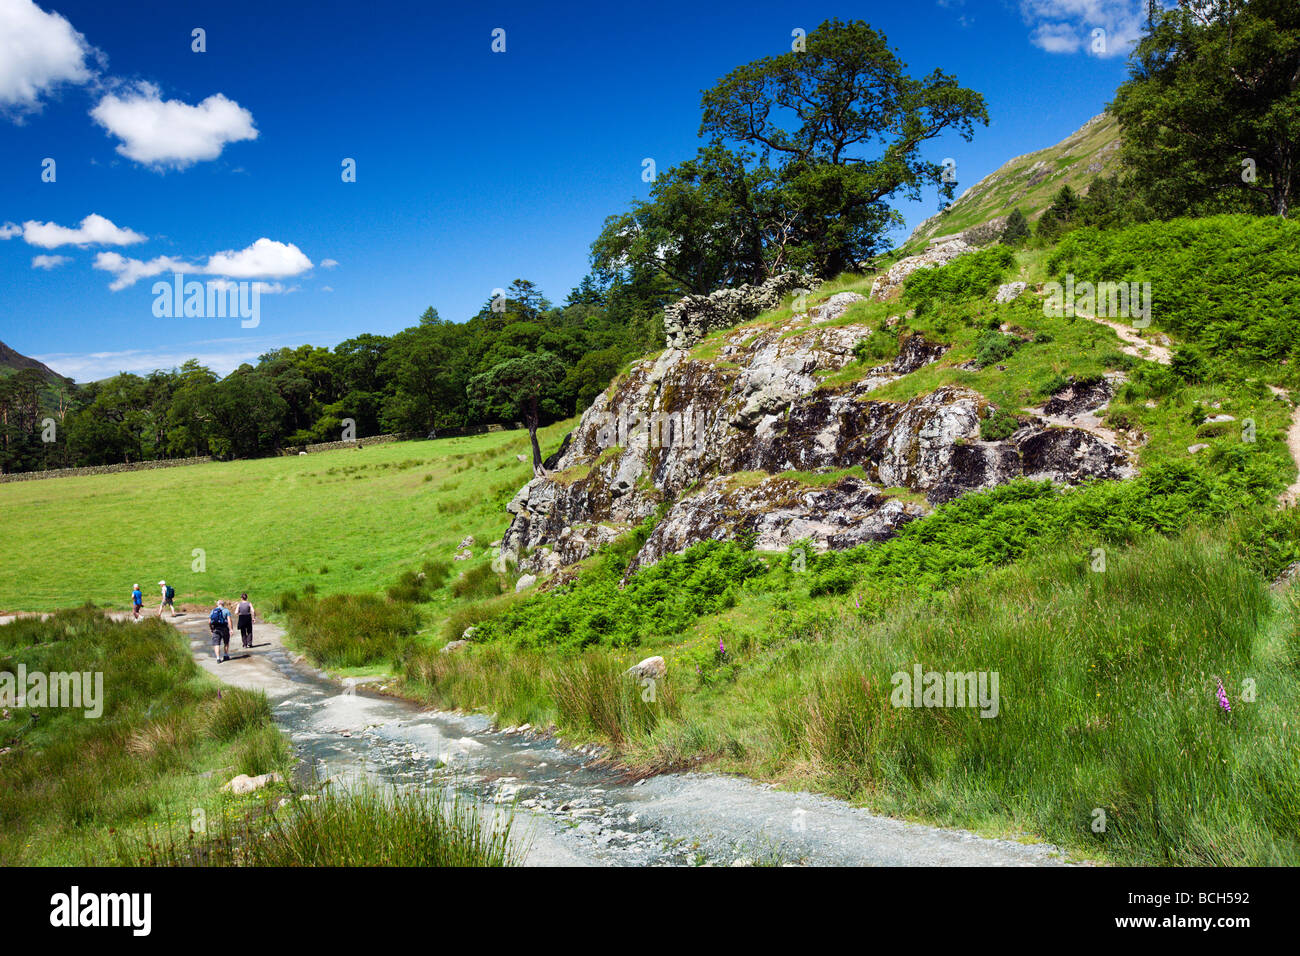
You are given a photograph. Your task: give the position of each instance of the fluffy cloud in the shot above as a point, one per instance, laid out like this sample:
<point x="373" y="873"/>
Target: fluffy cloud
<point x="94" y="230"/>
<point x="328" y="263"/>
<point x="158" y="132"/>
<point x="48" y="262"/>
<point x="1071" y="26"/>
<point x="38" y="51"/>
<point x="264" y="259"/>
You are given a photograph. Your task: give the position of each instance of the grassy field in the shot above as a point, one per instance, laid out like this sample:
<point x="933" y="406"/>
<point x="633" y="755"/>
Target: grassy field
<point x="342" y="521"/>
<point x="73" y="788"/>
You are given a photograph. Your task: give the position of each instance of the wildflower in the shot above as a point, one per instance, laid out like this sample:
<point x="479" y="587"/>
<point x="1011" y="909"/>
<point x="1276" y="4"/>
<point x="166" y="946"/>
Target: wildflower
<point x="1223" y="698"/>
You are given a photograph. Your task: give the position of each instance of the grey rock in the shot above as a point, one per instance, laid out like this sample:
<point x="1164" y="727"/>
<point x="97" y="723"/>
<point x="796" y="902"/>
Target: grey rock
<point x="1010" y="291"/>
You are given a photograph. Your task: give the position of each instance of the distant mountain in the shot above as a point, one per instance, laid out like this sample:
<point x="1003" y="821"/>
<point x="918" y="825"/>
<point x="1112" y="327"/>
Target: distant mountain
<point x="11" y="361"/>
<point x="1030" y="181"/>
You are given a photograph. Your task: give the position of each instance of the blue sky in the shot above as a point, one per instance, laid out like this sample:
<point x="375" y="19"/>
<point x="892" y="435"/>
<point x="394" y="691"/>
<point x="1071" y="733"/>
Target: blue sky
<point x="473" y="168"/>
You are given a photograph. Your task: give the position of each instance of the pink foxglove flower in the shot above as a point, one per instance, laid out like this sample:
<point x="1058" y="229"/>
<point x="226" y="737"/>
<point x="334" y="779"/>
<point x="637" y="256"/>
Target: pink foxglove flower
<point x="1223" y="698"/>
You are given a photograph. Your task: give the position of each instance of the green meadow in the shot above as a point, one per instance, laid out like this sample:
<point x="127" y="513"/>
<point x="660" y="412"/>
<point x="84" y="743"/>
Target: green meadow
<point x="336" y="521"/>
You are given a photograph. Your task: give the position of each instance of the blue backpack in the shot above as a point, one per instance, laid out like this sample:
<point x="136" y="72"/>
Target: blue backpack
<point x="218" y="616"/>
<point x="171" y="593"/>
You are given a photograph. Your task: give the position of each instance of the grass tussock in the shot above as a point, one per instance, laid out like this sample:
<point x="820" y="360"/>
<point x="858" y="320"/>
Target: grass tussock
<point x="350" y="630"/>
<point x="362" y="827"/>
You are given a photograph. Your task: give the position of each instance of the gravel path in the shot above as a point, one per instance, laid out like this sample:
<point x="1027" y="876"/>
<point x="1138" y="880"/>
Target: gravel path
<point x="1135" y="344"/>
<point x="570" y="807"/>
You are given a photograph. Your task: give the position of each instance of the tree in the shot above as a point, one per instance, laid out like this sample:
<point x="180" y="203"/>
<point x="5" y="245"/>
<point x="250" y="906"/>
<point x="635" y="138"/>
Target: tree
<point x="1016" y="229"/>
<point x="807" y="185"/>
<point x="518" y="384"/>
<point x="702" y="227"/>
<point x="1211" y="109"/>
<point x="1059" y="215"/>
<point x="847" y="89"/>
<point x="822" y="111"/>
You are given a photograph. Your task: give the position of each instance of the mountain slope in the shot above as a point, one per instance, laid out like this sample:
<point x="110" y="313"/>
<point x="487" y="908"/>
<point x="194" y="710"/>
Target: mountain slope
<point x="1030" y="181"/>
<point x="11" y="361"/>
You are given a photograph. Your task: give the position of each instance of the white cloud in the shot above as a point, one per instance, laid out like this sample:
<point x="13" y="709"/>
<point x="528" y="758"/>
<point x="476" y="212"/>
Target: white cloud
<point x="327" y="288"/>
<point x="92" y="366"/>
<point x="328" y="263"/>
<point x="158" y="132"/>
<point x="1100" y="28"/>
<point x="264" y="259"/>
<point x="222" y="355"/>
<point x="49" y="262"/>
<point x="38" y="52"/>
<point x="94" y="230"/>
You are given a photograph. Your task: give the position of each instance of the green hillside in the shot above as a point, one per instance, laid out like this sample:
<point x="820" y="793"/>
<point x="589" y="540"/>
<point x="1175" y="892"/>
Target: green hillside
<point x="1029" y="181"/>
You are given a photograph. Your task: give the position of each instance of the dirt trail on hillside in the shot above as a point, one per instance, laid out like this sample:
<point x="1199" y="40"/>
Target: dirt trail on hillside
<point x="571" y="808"/>
<point x="1135" y="346"/>
<point x="1140" y="348"/>
<point x="1292" y="495"/>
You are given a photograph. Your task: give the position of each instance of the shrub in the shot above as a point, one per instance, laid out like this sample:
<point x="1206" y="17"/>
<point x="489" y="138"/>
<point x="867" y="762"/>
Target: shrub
<point x="1001" y="424"/>
<point x="992" y="347"/>
<point x="1227" y="283"/>
<point x="967" y="277"/>
<point x="236" y="711"/>
<point x="477" y="582"/>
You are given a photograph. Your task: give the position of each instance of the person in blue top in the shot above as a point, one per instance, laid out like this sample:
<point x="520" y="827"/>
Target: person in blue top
<point x="137" y="600"/>
<point x="219" y="625"/>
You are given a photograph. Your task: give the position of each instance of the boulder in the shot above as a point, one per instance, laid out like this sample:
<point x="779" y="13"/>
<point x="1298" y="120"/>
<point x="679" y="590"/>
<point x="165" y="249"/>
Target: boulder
<point x="525" y="581"/>
<point x="712" y="437"/>
<point x="453" y="645"/>
<point x="1010" y="291"/>
<point x="243" y="783"/>
<point x="652" y="667"/>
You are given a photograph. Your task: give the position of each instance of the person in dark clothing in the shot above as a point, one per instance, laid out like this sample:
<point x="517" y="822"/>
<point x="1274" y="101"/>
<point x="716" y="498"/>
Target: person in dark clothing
<point x="219" y="625"/>
<point x="245" y="615"/>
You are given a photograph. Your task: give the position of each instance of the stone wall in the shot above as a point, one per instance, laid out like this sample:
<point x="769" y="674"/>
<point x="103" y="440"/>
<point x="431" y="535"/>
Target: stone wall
<point x="333" y="445"/>
<point x="104" y="469"/>
<point x="692" y="317"/>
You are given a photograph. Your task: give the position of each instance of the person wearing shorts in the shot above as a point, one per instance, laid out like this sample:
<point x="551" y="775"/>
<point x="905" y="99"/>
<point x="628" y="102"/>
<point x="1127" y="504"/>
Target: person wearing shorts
<point x="168" y="599"/>
<point x="219" y="625"/>
<point x="244" y="614"/>
<point x="137" y="601"/>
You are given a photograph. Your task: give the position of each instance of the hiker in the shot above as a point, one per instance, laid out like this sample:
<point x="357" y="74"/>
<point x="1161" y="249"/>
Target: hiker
<point x="245" y="614"/>
<point x="219" y="625"/>
<point x="168" y="597"/>
<point x="137" y="601"/>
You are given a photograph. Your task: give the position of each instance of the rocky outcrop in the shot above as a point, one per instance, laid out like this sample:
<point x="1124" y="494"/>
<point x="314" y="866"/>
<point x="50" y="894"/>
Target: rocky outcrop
<point x="748" y="441"/>
<point x="941" y="253"/>
<point x="692" y="317"/>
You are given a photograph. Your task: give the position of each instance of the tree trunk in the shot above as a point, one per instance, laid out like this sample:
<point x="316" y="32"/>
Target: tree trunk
<point x="538" y="470"/>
